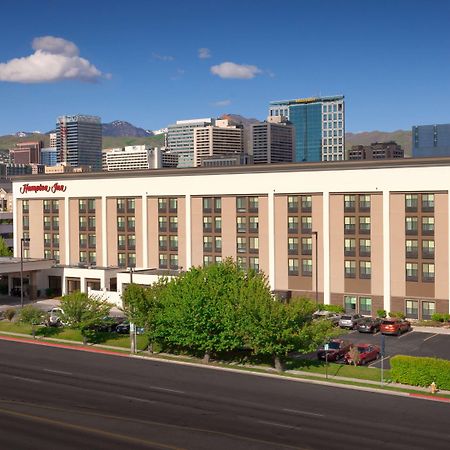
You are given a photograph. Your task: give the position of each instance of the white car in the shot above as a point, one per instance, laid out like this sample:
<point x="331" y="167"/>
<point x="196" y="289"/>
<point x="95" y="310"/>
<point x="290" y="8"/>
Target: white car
<point x="54" y="317"/>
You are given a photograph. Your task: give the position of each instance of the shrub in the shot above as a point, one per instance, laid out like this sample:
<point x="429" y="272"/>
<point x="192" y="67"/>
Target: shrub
<point x="437" y="317"/>
<point x="420" y="371"/>
<point x="31" y="315"/>
<point x="381" y="313"/>
<point x="332" y="308"/>
<point x="9" y="314"/>
<point x="398" y="314"/>
<point x="447" y="317"/>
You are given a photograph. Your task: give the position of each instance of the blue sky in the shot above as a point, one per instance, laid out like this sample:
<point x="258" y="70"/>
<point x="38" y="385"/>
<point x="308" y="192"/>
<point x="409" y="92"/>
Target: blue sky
<point x="140" y="61"/>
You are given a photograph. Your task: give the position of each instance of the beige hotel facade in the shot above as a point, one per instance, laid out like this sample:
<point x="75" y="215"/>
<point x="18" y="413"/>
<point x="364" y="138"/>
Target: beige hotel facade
<point x="369" y="234"/>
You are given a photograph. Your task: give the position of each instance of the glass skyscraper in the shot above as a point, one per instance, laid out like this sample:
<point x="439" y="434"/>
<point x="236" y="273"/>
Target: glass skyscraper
<point x="319" y="124"/>
<point x="431" y="140"/>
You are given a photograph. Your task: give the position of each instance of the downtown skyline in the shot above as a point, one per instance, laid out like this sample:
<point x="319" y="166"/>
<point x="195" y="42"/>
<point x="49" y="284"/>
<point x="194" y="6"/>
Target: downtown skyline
<point x="153" y="64"/>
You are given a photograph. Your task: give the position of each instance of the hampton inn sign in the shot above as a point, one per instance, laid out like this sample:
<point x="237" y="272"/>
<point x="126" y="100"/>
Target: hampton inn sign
<point x="27" y="188"/>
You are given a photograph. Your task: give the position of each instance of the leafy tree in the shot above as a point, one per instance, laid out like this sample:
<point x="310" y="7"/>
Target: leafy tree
<point x="4" y="249"/>
<point x="9" y="314"/>
<point x="80" y="310"/>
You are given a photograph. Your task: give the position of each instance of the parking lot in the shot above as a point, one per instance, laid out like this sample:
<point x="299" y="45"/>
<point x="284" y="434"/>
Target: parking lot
<point x="412" y="343"/>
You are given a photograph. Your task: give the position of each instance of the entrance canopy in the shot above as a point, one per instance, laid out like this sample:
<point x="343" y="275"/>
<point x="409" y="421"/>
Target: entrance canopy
<point x="12" y="265"/>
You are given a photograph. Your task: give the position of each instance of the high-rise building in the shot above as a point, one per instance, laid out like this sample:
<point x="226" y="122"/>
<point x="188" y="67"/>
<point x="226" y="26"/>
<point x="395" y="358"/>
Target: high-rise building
<point x="377" y="150"/>
<point x="272" y="141"/>
<point x="431" y="140"/>
<point x="319" y="124"/>
<point x="138" y="157"/>
<point x="180" y="139"/>
<point x="26" y="152"/>
<point x="222" y="138"/>
<point x="53" y="140"/>
<point x="49" y="156"/>
<point x="79" y="141"/>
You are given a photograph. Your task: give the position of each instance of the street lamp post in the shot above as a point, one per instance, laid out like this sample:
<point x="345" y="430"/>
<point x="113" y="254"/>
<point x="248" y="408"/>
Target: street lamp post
<point x="22" y="241"/>
<point x="316" y="236"/>
<point x="132" y="325"/>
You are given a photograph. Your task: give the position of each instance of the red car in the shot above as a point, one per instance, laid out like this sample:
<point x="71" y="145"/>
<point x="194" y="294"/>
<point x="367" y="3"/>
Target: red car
<point x="337" y="348"/>
<point x="367" y="353"/>
<point x="395" y="326"/>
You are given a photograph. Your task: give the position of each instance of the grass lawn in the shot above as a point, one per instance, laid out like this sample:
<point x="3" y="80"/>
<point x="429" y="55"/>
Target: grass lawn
<point x="15" y="327"/>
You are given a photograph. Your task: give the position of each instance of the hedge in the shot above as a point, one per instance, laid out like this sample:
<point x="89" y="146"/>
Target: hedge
<point x="420" y="371"/>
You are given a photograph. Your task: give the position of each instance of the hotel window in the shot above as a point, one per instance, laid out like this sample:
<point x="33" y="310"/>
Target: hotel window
<point x="306" y="203"/>
<point x="306" y="246"/>
<point x="412" y="309"/>
<point x="46" y="206"/>
<point x="173" y="224"/>
<point x="120" y="241"/>
<point x="55" y="223"/>
<point x="241" y="262"/>
<point x="349" y="203"/>
<point x="207" y="260"/>
<point x="428" y="249"/>
<point x="163" y="261"/>
<point x="292" y="266"/>
<point x="55" y="256"/>
<point x="82" y="206"/>
<point x="131" y="259"/>
<point x="411" y="248"/>
<point x="207" y="204"/>
<point x="173" y="261"/>
<point x="292" y="224"/>
<point x="306" y="267"/>
<point x="253" y="263"/>
<point x="217" y="205"/>
<point x="365" y="269"/>
<point x="411" y="225"/>
<point x="120" y="223"/>
<point x="428" y="225"/>
<point x="162" y="205"/>
<point x="427" y="202"/>
<point x="411" y="202"/>
<point x="306" y="224"/>
<point x="428" y="272"/>
<point x="207" y="224"/>
<point x="218" y="259"/>
<point x="241" y="244"/>
<point x="218" y="244"/>
<point x="253" y="203"/>
<point x="162" y="243"/>
<point x="47" y="253"/>
<point x="253" y="244"/>
<point x="91" y="223"/>
<point x="349" y="225"/>
<point x="349" y="247"/>
<point x="428" y="309"/>
<point x="241" y="204"/>
<point x="253" y="224"/>
<point x="131" y="224"/>
<point x="207" y="243"/>
<point x="365" y="306"/>
<point x="91" y="205"/>
<point x="131" y="205"/>
<point x="364" y="202"/>
<point x="241" y="222"/>
<point x="292" y="203"/>
<point x="25" y="206"/>
<point x="293" y="246"/>
<point x="55" y="240"/>
<point x="121" y="259"/>
<point x="173" y="205"/>
<point x="47" y="222"/>
<point x="121" y="205"/>
<point x="350" y="269"/>
<point x="349" y="304"/>
<point x="364" y="225"/>
<point x="55" y="206"/>
<point x="83" y="256"/>
<point x="47" y="239"/>
<point x="364" y="247"/>
<point x="411" y="271"/>
<point x="26" y="222"/>
<point x="218" y="224"/>
<point x="131" y="241"/>
<point x="162" y="223"/>
<point x="92" y="257"/>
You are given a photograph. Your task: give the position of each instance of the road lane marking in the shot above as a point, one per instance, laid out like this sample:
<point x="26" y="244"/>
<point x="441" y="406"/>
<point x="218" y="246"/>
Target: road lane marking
<point x="137" y="399"/>
<point x="429" y="337"/>
<point x="379" y="360"/>
<point x="406" y="334"/>
<point x="305" y="413"/>
<point x="281" y="425"/>
<point x="59" y="372"/>
<point x="27" y="379"/>
<point x="167" y="390"/>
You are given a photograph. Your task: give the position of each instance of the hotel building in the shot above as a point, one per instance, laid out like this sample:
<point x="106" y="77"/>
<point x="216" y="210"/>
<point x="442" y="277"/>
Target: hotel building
<point x="369" y="234"/>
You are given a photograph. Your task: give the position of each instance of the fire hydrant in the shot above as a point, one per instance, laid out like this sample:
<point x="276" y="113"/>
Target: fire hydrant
<point x="433" y="387"/>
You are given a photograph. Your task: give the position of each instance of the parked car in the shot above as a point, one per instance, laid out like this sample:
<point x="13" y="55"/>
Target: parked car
<point x="54" y="317"/>
<point x="337" y="348"/>
<point x="109" y="324"/>
<point x="328" y="315"/>
<point x="394" y="325"/>
<point x="124" y="328"/>
<point x="369" y="325"/>
<point x="367" y="353"/>
<point x="350" y="320"/>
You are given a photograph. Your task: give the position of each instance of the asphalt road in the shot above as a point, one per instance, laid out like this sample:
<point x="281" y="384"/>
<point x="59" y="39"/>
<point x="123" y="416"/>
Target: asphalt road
<point x="64" y="399"/>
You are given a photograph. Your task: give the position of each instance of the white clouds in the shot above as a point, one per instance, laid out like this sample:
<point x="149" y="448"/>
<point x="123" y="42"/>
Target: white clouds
<point x="233" y="70"/>
<point x="178" y="74"/>
<point x="54" y="59"/>
<point x="165" y="58"/>
<point x="222" y="103"/>
<point x="204" y="53"/>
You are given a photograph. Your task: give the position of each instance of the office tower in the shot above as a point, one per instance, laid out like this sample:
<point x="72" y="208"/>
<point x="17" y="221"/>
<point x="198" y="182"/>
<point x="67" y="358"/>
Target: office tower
<point x="53" y="140"/>
<point x="49" y="156"/>
<point x="180" y="139"/>
<point x="79" y="141"/>
<point x="377" y="150"/>
<point x="222" y="138"/>
<point x="138" y="157"/>
<point x="319" y="124"/>
<point x="26" y="152"/>
<point x="272" y="141"/>
<point x="431" y="140"/>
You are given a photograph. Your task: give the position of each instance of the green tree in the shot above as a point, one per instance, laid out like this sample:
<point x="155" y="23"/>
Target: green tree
<point x="4" y="249"/>
<point x="82" y="311"/>
<point x="31" y="315"/>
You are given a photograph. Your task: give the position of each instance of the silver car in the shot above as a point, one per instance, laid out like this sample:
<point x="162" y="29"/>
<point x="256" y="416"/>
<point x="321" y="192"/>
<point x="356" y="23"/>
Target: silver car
<point x="350" y="320"/>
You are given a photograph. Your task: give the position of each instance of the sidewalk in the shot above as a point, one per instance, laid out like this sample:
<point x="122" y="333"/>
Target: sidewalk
<point x="432" y="330"/>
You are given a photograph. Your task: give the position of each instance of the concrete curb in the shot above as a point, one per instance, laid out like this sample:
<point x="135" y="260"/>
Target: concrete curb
<point x="414" y="395"/>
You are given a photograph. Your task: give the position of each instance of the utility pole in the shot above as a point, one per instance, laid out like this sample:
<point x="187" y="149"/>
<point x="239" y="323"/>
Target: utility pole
<point x="22" y="241"/>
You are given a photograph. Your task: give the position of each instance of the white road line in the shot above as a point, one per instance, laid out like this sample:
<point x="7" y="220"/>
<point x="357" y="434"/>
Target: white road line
<point x="167" y="390"/>
<point x="136" y="399"/>
<point x="59" y="372"/>
<point x="429" y="337"/>
<point x="28" y="379"/>
<point x="379" y="360"/>
<point x="276" y="424"/>
<point x="304" y="413"/>
<point x="408" y="333"/>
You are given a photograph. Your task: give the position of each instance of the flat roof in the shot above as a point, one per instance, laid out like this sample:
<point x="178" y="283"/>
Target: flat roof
<point x="296" y="101"/>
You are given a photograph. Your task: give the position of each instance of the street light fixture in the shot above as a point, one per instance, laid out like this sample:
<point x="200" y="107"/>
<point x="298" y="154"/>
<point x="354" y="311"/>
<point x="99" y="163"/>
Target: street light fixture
<point x="22" y="241"/>
<point x="316" y="236"/>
